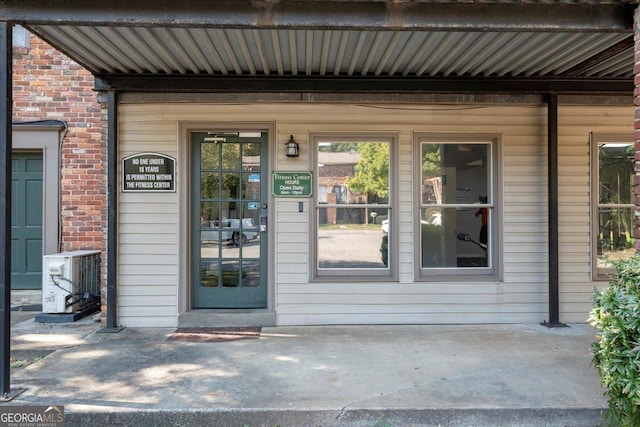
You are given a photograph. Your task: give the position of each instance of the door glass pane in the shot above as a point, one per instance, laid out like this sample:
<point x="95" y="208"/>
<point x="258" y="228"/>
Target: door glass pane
<point x="231" y="273"/>
<point x="231" y="156"/>
<point x="209" y="274"/>
<point x="209" y="185"/>
<point x="251" y="273"/>
<point x="209" y="211"/>
<point x="209" y="156"/>
<point x="230" y="185"/>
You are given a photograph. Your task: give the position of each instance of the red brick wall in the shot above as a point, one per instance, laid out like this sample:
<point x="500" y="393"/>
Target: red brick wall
<point x="49" y="86"/>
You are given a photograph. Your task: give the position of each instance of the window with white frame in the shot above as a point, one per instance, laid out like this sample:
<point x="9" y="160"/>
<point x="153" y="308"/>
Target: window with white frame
<point x="456" y="215"/>
<point x="614" y="207"/>
<point x="354" y="207"/>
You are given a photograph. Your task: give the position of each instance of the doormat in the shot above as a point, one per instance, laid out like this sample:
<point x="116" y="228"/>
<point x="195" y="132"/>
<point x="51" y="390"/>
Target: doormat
<point x="215" y="334"/>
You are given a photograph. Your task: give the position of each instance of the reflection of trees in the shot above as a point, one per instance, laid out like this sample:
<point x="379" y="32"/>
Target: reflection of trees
<point x="339" y="147"/>
<point x="431" y="176"/>
<point x="372" y="172"/>
<point x="215" y="159"/>
<point x="616" y="188"/>
<point x="431" y="160"/>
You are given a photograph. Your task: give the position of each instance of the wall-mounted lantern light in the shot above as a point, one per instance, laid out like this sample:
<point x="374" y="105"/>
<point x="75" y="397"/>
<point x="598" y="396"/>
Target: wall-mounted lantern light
<point x="292" y="148"/>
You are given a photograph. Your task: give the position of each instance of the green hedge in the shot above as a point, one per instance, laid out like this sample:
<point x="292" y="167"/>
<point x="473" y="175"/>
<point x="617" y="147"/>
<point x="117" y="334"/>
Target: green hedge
<point x="616" y="351"/>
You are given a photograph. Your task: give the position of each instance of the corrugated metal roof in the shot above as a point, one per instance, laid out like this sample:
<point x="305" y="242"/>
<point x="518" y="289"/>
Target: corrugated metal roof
<point x="317" y="52"/>
<point x="495" y="42"/>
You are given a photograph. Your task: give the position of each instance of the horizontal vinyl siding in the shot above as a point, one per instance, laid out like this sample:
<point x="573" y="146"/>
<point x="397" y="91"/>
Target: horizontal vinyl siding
<point x="149" y="282"/>
<point x="429" y="302"/>
<point x="148" y="230"/>
<point x="574" y="165"/>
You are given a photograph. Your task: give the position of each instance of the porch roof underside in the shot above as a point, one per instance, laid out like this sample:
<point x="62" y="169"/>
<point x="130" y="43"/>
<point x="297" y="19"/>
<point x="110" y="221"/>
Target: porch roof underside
<point x="579" y="46"/>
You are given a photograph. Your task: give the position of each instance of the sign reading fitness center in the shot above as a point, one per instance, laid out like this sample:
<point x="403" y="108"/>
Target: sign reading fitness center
<point x="292" y="184"/>
<point x="148" y="172"/>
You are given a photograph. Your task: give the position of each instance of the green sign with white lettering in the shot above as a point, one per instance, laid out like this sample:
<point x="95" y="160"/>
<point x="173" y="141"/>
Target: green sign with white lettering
<point x="292" y="184"/>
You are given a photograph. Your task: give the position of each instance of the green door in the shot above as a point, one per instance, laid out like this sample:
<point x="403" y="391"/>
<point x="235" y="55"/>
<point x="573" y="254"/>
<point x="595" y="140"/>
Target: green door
<point x="26" y="221"/>
<point x="229" y="216"/>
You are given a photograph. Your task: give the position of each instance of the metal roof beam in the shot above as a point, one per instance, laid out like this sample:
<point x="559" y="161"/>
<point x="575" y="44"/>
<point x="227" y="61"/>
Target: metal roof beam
<point x="360" y="84"/>
<point x="327" y="14"/>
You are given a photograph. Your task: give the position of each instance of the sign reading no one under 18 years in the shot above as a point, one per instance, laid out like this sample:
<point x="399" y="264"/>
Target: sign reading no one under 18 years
<point x="148" y="172"/>
<point x="292" y="184"/>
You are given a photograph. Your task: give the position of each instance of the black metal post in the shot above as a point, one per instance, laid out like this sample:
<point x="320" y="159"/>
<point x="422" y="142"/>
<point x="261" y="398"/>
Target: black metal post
<point x="112" y="209"/>
<point x="552" y="153"/>
<point x="5" y="202"/>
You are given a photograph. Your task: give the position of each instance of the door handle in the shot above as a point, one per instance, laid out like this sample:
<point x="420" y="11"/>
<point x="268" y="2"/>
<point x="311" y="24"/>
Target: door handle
<point x="263" y="223"/>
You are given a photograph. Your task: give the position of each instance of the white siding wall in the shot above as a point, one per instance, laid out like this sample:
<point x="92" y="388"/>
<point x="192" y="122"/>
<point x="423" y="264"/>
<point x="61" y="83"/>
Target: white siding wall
<point x="147" y="228"/>
<point x="575" y="124"/>
<point x="149" y="223"/>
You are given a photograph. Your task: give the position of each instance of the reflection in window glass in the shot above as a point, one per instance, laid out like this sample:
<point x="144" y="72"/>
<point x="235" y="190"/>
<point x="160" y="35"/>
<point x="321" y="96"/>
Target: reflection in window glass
<point x="347" y="239"/>
<point x="616" y="209"/>
<point x="456" y="205"/>
<point x="352" y="205"/>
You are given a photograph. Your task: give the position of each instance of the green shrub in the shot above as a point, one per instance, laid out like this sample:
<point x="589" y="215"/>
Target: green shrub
<point x="616" y="351"/>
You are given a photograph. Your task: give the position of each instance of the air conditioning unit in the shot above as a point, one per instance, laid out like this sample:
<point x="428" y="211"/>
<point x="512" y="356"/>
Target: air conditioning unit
<point x="70" y="281"/>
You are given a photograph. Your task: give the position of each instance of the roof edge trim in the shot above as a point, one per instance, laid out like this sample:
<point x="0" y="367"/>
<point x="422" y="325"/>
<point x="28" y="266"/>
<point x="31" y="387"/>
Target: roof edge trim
<point x="237" y="84"/>
<point x="326" y="14"/>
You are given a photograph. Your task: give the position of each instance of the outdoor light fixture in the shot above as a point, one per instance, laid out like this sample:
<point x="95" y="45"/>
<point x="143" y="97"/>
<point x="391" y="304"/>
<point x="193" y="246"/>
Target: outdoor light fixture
<point x="293" y="149"/>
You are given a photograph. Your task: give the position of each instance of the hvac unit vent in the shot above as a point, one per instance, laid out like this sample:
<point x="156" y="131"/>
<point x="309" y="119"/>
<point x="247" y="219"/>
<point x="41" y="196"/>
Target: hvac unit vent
<point x="71" y="281"/>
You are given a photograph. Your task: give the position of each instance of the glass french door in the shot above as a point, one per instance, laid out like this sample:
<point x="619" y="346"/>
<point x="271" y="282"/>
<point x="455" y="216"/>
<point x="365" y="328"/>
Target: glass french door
<point x="229" y="219"/>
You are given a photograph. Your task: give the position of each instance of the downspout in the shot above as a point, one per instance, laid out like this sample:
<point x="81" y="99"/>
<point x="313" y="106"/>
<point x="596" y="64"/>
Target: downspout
<point x="6" y="99"/>
<point x="112" y="220"/>
<point x="552" y="159"/>
<point x="61" y="136"/>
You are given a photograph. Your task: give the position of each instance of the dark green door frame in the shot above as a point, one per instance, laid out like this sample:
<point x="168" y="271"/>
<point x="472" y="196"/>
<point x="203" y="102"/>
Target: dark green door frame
<point x="229" y="209"/>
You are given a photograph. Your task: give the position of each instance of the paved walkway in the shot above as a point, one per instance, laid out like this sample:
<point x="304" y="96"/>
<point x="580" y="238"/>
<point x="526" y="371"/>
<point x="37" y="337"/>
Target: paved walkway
<point x="485" y="375"/>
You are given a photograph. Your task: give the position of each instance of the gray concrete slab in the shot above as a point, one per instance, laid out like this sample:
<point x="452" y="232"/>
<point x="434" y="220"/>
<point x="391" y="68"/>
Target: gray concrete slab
<point x="454" y="375"/>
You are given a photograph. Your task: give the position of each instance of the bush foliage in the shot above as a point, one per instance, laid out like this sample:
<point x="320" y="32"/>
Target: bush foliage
<point x="616" y="351"/>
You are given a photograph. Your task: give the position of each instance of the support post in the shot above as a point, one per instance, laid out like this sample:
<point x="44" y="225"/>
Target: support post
<point x="5" y="204"/>
<point x="112" y="209"/>
<point x="552" y="153"/>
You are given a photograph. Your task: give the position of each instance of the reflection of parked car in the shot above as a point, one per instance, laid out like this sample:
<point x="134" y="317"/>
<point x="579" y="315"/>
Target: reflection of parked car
<point x="434" y="219"/>
<point x="228" y="230"/>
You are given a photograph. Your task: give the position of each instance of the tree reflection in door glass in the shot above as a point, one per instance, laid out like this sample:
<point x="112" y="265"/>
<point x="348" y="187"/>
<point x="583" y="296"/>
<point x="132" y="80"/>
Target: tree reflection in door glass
<point x="209" y="155"/>
<point x="231" y="156"/>
<point x="251" y="273"/>
<point x="209" y="274"/>
<point x="230" y="274"/>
